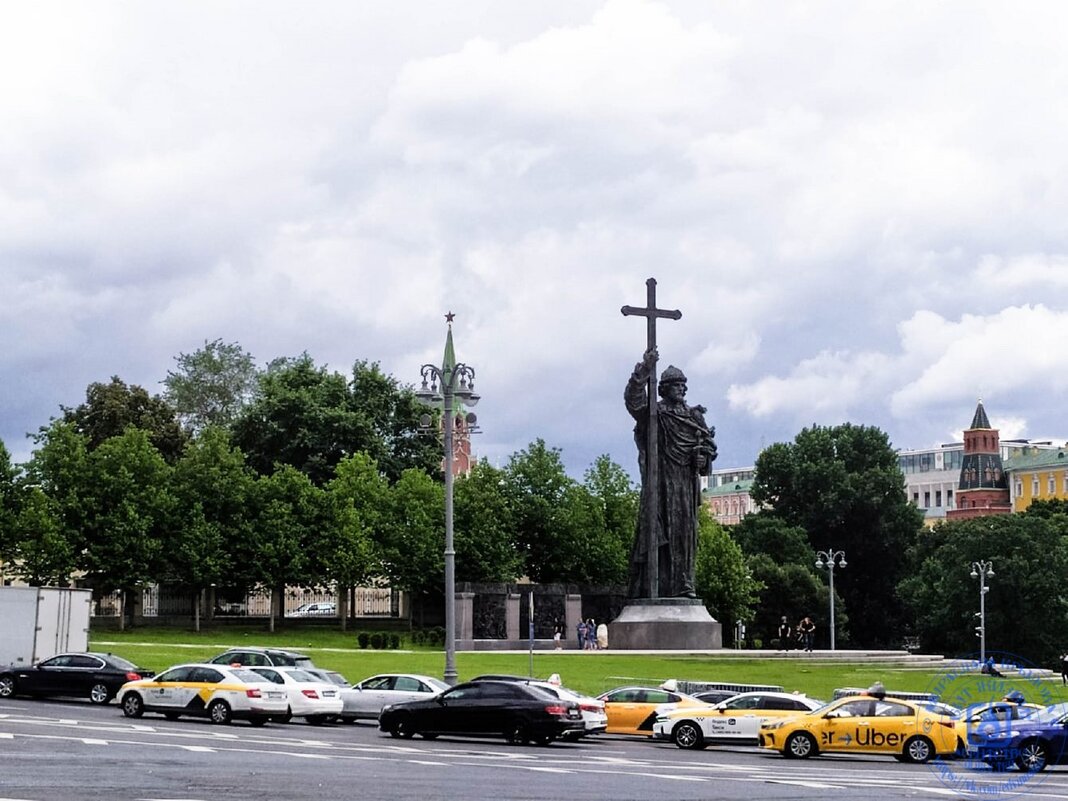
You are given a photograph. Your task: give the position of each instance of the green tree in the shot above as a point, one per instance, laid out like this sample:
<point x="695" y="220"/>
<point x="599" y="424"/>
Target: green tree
<point x="843" y="486"/>
<point x="793" y="591"/>
<point x="209" y="543"/>
<point x="412" y="545"/>
<point x="617" y="496"/>
<point x="311" y="418"/>
<point x="211" y="385"/>
<point x="722" y="578"/>
<point x="760" y="533"/>
<point x="42" y="555"/>
<point x="111" y="408"/>
<point x="291" y="514"/>
<point x="1026" y="608"/>
<point x="59" y="466"/>
<point x="11" y="496"/>
<point x="128" y="509"/>
<point x="483" y="526"/>
<point x="538" y="488"/>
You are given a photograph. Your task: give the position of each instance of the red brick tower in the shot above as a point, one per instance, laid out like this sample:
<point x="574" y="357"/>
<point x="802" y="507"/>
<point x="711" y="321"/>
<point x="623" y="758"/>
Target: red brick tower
<point x="983" y="488"/>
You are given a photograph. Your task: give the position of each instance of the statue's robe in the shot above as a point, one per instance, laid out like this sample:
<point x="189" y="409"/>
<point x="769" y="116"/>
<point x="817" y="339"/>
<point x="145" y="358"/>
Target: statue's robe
<point x="685" y="452"/>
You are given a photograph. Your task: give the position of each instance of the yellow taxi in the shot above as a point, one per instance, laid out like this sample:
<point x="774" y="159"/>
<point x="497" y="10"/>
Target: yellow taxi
<point x="865" y="724"/>
<point x="734" y="721"/>
<point x="633" y="710"/>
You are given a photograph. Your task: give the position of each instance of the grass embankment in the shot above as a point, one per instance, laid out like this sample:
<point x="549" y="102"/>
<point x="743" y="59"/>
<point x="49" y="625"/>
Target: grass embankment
<point x="590" y="672"/>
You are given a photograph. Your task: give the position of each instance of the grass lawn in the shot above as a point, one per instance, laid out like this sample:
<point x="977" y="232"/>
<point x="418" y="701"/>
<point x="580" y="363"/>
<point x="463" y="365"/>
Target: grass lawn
<point x="590" y="672"/>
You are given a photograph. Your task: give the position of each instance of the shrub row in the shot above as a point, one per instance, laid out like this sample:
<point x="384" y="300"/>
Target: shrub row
<point x="378" y="640"/>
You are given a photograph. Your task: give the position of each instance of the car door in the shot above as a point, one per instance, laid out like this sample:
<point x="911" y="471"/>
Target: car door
<point x="375" y="693"/>
<point x="46" y="676"/>
<point x="736" y="719"/>
<point x="892" y="723"/>
<point x="81" y="674"/>
<point x="624" y="710"/>
<point x="457" y="710"/>
<point x="168" y="690"/>
<point x="845" y="726"/>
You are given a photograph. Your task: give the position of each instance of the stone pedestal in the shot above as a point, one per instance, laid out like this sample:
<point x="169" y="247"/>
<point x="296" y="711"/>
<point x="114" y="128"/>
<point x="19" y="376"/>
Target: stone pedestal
<point x="511" y="615"/>
<point x="665" y="624"/>
<point x="465" y="616"/>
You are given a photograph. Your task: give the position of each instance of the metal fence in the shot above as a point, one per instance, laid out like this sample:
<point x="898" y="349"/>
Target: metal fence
<point x="156" y="601"/>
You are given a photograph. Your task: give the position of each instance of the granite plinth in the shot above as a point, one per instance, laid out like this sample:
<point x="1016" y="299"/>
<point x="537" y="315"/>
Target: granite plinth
<point x="667" y="624"/>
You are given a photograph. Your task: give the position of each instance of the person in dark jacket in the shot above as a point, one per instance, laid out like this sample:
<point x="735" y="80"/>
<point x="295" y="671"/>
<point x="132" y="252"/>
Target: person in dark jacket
<point x="786" y="633"/>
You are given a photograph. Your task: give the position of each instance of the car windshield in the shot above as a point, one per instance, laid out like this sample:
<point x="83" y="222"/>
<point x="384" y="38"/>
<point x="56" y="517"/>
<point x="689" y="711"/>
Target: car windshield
<point x="1051" y="714"/>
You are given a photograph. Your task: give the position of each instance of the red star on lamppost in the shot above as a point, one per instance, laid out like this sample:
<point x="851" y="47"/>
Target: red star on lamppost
<point x="449" y="316"/>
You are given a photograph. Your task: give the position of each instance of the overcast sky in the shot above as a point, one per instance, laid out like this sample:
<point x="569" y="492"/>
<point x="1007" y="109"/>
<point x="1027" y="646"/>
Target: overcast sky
<point x="860" y="208"/>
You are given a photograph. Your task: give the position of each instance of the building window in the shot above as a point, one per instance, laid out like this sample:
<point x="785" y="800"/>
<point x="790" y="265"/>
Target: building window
<point x="927" y="500"/>
<point x="949" y="498"/>
<point x="1052" y="484"/>
<point x="938" y="498"/>
<point x="1034" y="485"/>
<point x="916" y="498"/>
<point x="1019" y="488"/>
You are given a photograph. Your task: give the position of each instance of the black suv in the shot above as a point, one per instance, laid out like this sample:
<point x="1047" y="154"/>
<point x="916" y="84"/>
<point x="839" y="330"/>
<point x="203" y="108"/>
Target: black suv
<point x="262" y="657"/>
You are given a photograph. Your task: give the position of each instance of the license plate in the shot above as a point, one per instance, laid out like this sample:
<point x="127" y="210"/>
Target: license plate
<point x="275" y="694"/>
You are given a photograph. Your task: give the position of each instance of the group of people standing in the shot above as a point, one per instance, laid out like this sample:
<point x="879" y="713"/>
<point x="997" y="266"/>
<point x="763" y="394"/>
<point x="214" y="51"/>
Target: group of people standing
<point x="804" y="634"/>
<point x="591" y="636"/>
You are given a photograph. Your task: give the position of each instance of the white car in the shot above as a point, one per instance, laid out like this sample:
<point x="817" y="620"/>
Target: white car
<point x="218" y="692"/>
<point x="734" y="721"/>
<point x="320" y="609"/>
<point x="309" y="697"/>
<point x="350" y="697"/>
<point x="391" y="688"/>
<point x="593" y="714"/>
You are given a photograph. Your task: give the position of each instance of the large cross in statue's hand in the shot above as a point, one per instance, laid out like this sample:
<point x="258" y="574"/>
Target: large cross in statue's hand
<point x="650" y="313"/>
<point x="651" y="489"/>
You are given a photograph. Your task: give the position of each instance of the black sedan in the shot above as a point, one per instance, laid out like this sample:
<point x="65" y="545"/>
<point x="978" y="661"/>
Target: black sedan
<point x="518" y="712"/>
<point x="80" y="675"/>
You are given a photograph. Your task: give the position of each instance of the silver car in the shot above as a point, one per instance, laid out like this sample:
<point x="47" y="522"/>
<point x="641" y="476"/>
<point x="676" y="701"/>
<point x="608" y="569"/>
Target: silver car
<point x="390" y="688"/>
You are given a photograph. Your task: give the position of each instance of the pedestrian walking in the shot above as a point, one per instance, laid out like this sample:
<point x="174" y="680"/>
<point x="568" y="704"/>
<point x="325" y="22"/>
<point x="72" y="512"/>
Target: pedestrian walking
<point x="807" y="629"/>
<point x="1064" y="668"/>
<point x="558" y="633"/>
<point x="591" y="635"/>
<point x="786" y="633"/>
<point x="580" y="631"/>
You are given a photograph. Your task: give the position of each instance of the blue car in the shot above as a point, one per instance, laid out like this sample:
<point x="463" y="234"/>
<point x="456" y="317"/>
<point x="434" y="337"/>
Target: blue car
<point x="1030" y="743"/>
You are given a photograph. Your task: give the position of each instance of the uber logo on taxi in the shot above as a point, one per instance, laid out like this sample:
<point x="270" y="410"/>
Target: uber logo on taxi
<point x="731" y="721"/>
<point x="877" y="738"/>
<point x="827" y="737"/>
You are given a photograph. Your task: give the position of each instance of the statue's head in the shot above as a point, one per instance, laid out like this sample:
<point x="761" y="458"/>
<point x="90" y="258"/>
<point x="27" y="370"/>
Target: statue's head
<point x="671" y="379"/>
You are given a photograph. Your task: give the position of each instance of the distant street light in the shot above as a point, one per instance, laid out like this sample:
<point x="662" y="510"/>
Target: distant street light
<point x="830" y="559"/>
<point x="982" y="570"/>
<point x="455" y="381"/>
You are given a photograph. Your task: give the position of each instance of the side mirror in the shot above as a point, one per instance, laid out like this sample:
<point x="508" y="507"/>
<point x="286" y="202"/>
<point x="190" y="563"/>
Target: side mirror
<point x="440" y="700"/>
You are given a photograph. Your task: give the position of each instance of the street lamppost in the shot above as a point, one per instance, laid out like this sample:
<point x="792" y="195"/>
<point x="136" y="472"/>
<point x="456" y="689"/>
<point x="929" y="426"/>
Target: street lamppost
<point x="982" y="570"/>
<point x="831" y="559"/>
<point x="447" y="383"/>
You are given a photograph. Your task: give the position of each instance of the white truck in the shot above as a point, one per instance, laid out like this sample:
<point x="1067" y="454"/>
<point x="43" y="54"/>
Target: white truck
<point x="38" y="622"/>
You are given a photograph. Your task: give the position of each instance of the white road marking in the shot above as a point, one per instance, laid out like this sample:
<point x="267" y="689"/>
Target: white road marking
<point x="812" y="785"/>
<point x="93" y="741"/>
<point x="201" y="749"/>
<point x="427" y="762"/>
<point x="6" y="735"/>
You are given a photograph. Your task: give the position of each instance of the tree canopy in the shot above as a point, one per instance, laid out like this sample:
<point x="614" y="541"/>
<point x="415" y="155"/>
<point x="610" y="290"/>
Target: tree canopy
<point x="210" y="386"/>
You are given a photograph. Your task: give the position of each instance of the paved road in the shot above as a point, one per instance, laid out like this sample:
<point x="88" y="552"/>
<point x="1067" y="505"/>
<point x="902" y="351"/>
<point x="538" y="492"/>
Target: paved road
<point x="56" y="750"/>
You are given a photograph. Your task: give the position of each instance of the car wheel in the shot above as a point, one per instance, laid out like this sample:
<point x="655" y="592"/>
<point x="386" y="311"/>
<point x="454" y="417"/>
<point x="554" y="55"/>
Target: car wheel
<point x="219" y="712"/>
<point x="288" y="716"/>
<point x="132" y="705"/>
<point x="99" y="693"/>
<point x="7" y="686"/>
<point x="688" y="734"/>
<point x="800" y="745"/>
<point x="258" y="720"/>
<point x="1033" y="757"/>
<point x="918" y="750"/>
<point x="171" y="715"/>
<point x="402" y="727"/>
<point x="517" y="734"/>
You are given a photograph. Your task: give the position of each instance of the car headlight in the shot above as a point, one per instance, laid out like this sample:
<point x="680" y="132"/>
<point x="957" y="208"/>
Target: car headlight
<point x="776" y="725"/>
<point x="662" y="718"/>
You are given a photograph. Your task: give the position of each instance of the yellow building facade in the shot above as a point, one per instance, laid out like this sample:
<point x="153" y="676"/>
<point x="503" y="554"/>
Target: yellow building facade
<point x="1037" y="476"/>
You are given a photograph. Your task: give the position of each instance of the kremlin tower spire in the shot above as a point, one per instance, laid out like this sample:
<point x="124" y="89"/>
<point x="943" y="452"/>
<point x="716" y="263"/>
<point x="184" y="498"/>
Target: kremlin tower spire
<point x="983" y="489"/>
